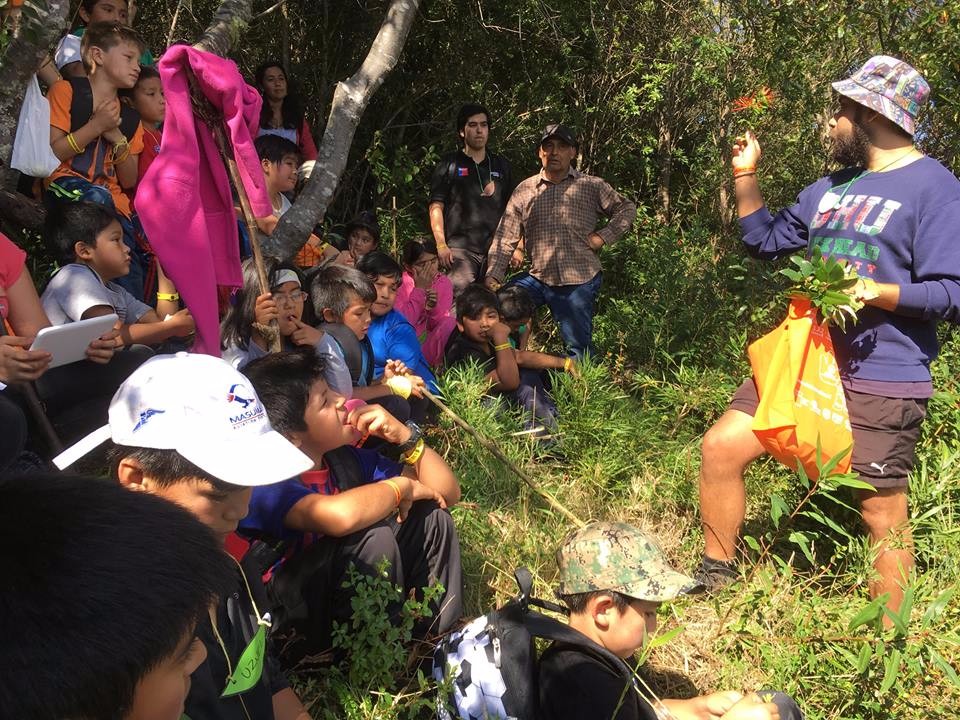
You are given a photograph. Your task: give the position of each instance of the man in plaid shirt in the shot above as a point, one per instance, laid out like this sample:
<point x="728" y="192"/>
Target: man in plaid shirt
<point x="554" y="214"/>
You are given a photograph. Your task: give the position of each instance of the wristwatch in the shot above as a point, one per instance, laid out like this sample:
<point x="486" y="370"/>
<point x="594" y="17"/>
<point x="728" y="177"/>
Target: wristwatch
<point x="415" y="436"/>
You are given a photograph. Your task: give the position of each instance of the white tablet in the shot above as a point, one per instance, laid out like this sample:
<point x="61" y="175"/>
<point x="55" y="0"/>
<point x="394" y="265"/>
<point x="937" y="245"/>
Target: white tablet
<point x="68" y="343"/>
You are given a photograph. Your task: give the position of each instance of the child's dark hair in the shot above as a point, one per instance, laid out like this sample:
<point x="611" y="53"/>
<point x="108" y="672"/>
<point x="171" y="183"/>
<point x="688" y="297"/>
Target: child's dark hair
<point x="578" y="603"/>
<point x="291" y="110"/>
<point x="106" y="35"/>
<point x="275" y="148"/>
<point x="474" y="300"/>
<point x="378" y="264"/>
<point x="466" y="112"/>
<point x="100" y="585"/>
<point x="68" y="223"/>
<point x="336" y="286"/>
<point x="237" y="324"/>
<point x="282" y="381"/>
<point x="515" y="303"/>
<point x="415" y="249"/>
<point x="147" y="72"/>
<point x="163" y="467"/>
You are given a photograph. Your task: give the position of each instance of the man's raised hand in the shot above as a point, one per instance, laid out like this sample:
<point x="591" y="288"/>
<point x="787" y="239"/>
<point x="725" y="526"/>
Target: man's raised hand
<point x="746" y="152"/>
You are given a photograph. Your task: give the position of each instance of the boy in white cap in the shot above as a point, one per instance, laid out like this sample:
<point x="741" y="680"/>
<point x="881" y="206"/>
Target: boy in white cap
<point x="191" y="429"/>
<point x="613" y="577"/>
<point x="892" y="213"/>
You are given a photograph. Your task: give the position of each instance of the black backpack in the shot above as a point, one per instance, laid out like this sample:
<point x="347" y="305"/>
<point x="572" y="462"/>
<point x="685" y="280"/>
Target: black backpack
<point x="491" y="663"/>
<point x="353" y="351"/>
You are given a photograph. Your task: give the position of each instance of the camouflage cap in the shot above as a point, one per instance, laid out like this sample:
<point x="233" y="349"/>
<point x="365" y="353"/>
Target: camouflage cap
<point x="618" y="557"/>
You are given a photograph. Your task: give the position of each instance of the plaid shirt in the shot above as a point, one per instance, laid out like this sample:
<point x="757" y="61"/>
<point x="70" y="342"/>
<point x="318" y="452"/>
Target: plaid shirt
<point x="555" y="221"/>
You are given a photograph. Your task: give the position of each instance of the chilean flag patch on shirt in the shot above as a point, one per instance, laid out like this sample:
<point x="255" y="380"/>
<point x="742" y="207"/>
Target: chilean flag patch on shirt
<point x="463" y="172"/>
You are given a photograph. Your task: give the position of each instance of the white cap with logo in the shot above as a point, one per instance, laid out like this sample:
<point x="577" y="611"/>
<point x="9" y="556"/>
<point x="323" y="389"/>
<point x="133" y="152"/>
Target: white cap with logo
<point x="204" y="409"/>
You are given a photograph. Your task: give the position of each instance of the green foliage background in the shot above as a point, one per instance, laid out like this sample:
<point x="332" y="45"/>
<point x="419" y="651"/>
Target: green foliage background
<point x="651" y="88"/>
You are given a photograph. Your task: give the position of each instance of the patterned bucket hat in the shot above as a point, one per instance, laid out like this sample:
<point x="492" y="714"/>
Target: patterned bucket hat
<point x="891" y="87"/>
<point x="618" y="557"/>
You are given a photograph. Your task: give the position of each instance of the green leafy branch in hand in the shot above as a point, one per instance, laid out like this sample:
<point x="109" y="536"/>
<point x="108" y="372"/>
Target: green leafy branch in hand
<point x="828" y="283"/>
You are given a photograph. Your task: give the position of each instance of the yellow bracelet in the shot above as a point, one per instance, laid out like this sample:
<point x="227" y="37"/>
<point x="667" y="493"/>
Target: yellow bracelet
<point x="567" y="364"/>
<point x="174" y="296"/>
<point x="396" y="489"/>
<point x="74" y="145"/>
<point x="502" y="346"/>
<point x="414" y="455"/>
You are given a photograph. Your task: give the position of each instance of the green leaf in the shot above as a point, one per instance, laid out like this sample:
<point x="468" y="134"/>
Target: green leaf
<point x="661" y="640"/>
<point x="863" y="661"/>
<point x="937" y="607"/>
<point x="870" y="612"/>
<point x="851" y="481"/>
<point x="892" y="667"/>
<point x="832" y="463"/>
<point x="801" y="540"/>
<point x="900" y="629"/>
<point x="945" y="667"/>
<point x="752" y="543"/>
<point x="778" y="508"/>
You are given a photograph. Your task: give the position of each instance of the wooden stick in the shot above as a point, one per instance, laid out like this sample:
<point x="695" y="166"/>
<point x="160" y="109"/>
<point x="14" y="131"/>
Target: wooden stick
<point x="494" y="448"/>
<point x="205" y="111"/>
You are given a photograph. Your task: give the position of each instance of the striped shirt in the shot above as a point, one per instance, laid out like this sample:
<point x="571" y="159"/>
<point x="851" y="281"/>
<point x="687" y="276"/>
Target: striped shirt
<point x="555" y="221"/>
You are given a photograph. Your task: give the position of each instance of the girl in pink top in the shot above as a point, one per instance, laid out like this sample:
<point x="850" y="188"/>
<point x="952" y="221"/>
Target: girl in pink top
<point x="425" y="298"/>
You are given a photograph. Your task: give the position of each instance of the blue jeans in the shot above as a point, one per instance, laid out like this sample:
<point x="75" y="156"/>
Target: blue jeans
<point x="571" y="307"/>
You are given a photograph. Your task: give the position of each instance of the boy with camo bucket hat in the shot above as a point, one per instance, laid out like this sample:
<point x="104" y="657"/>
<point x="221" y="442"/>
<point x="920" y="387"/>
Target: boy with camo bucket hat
<point x="614" y="577"/>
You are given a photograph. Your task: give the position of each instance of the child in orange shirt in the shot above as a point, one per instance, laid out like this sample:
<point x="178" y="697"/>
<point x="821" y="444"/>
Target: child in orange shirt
<point x="146" y="97"/>
<point x="97" y="139"/>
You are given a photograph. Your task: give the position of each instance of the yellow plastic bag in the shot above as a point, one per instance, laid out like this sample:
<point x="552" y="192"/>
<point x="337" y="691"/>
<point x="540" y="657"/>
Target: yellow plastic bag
<point x="801" y="397"/>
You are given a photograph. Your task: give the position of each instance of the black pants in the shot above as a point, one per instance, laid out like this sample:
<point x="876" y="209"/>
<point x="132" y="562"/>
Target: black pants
<point x="13" y="432"/>
<point x="307" y="593"/>
<point x="76" y="396"/>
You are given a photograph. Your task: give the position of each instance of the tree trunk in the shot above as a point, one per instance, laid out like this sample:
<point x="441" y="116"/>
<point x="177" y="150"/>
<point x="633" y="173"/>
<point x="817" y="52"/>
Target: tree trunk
<point x="349" y="101"/>
<point x="40" y="27"/>
<point x="228" y="25"/>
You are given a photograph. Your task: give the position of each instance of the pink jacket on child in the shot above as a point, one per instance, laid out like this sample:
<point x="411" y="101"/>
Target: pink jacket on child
<point x="433" y="326"/>
<point x="184" y="199"/>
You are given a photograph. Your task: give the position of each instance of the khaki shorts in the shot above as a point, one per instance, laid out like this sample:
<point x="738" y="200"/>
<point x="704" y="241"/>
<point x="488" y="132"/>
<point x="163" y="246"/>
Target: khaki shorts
<point x="885" y="432"/>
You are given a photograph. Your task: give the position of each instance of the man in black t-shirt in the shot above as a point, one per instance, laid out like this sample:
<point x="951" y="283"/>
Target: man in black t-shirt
<point x="468" y="193"/>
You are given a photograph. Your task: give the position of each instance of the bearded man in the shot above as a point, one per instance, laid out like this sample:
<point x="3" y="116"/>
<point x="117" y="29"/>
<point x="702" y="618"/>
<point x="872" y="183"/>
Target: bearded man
<point x="894" y="214"/>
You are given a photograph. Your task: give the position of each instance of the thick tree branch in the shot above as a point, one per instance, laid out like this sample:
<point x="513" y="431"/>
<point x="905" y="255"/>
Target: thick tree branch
<point x="349" y="101"/>
<point x="228" y="25"/>
<point x="42" y="23"/>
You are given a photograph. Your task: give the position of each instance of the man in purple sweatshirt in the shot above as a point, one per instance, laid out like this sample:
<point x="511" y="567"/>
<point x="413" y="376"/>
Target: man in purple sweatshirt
<point x="895" y="215"/>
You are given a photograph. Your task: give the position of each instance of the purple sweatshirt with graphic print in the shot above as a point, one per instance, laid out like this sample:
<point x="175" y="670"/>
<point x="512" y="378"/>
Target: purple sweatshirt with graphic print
<point x="901" y="226"/>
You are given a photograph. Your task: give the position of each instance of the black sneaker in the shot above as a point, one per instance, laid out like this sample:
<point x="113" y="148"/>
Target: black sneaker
<point x="714" y="575"/>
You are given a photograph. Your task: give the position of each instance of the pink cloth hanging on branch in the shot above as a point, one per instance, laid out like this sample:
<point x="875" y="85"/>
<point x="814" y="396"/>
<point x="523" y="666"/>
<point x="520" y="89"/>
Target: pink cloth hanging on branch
<point x="184" y="200"/>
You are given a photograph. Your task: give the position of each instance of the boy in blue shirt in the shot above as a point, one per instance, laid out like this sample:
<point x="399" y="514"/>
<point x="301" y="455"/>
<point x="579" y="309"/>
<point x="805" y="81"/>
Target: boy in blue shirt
<point x="354" y="507"/>
<point x="190" y="429"/>
<point x="392" y="337"/>
<point x="892" y="213"/>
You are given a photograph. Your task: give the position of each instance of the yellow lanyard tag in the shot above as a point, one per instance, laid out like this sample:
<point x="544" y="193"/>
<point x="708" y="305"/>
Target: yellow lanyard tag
<point x="250" y="665"/>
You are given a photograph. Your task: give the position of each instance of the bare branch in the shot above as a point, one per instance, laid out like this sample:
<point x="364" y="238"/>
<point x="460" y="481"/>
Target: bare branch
<point x="229" y="23"/>
<point x="349" y="101"/>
